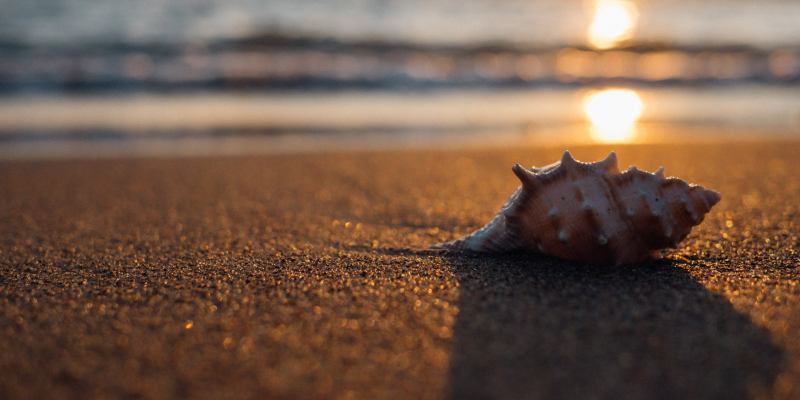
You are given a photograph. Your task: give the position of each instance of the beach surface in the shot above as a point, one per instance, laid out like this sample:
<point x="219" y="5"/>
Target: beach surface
<point x="308" y="276"/>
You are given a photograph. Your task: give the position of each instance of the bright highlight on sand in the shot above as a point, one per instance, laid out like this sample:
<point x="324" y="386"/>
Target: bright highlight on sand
<point x="613" y="21"/>
<point x="613" y="113"/>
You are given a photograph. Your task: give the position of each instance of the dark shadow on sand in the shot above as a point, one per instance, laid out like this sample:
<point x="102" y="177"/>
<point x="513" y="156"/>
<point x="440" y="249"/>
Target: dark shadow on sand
<point x="533" y="327"/>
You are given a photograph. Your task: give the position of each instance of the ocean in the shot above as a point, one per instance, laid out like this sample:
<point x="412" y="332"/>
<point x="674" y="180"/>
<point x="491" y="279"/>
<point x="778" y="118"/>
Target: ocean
<point x="107" y="78"/>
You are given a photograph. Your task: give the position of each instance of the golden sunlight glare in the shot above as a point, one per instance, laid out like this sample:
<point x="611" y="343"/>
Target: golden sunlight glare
<point x="613" y="114"/>
<point x="613" y="21"/>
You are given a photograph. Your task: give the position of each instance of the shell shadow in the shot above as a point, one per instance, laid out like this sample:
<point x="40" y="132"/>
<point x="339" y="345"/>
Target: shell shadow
<point x="533" y="327"/>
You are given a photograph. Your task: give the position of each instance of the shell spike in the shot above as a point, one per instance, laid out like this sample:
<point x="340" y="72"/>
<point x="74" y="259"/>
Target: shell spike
<point x="546" y="168"/>
<point x="660" y="173"/>
<point x="527" y="178"/>
<point x="631" y="169"/>
<point x="568" y="162"/>
<point x="610" y="164"/>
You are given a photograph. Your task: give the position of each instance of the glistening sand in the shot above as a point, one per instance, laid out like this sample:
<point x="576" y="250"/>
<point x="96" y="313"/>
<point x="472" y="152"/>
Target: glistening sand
<point x="307" y="277"/>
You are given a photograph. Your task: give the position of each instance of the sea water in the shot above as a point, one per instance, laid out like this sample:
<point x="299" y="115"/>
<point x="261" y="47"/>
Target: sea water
<point x="83" y="78"/>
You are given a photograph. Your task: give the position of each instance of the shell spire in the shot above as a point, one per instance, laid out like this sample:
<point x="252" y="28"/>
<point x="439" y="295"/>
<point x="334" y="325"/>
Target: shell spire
<point x="592" y="213"/>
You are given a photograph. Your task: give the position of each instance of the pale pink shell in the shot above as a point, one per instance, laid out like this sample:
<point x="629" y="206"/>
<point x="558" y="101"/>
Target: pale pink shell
<point x="592" y="213"/>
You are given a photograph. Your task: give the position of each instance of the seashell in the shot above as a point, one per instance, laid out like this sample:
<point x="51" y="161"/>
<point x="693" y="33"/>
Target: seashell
<point x="592" y="213"/>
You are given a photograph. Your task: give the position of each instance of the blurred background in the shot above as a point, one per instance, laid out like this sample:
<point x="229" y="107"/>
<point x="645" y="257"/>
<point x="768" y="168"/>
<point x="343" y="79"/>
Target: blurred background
<point x="106" y="78"/>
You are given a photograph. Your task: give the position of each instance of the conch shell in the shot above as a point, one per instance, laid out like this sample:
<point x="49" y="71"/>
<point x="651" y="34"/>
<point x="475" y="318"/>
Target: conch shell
<point x="592" y="213"/>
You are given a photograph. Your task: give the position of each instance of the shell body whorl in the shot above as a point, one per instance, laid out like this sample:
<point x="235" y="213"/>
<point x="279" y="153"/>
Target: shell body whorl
<point x="592" y="213"/>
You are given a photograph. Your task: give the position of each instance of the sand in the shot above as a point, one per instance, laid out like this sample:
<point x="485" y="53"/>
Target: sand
<point x="308" y="277"/>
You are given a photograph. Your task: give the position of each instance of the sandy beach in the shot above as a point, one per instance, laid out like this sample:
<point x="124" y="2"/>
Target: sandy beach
<point x="308" y="276"/>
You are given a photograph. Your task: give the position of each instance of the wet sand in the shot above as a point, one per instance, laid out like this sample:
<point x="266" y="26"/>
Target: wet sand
<point x="308" y="277"/>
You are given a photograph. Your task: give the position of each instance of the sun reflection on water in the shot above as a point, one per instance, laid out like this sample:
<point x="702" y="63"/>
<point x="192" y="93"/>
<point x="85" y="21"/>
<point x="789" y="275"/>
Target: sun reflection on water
<point x="613" y="114"/>
<point x="613" y="22"/>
